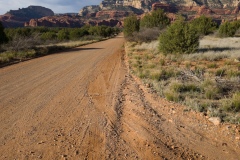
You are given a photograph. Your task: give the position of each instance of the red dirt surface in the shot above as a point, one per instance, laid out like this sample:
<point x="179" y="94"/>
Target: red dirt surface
<point x="84" y="104"/>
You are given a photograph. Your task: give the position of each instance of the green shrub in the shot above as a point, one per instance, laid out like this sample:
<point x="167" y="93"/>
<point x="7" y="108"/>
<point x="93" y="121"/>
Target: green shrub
<point x="48" y="36"/>
<point x="231" y="73"/>
<point x="144" y="74"/>
<point x="194" y="104"/>
<point x="173" y="96"/>
<point x="212" y="65"/>
<point x="180" y="38"/>
<point x="103" y="31"/>
<point x="232" y="119"/>
<point x="166" y="74"/>
<point x="25" y="54"/>
<point x="162" y="62"/>
<point x="228" y="29"/>
<point x="220" y="72"/>
<point x="6" y="57"/>
<point x="155" y="19"/>
<point x="155" y="76"/>
<point x="236" y="101"/>
<point x="63" y="35"/>
<point x="75" y="34"/>
<point x="232" y="104"/>
<point x="131" y="25"/>
<point x="204" y="25"/>
<point x="179" y="87"/>
<point x="211" y="93"/>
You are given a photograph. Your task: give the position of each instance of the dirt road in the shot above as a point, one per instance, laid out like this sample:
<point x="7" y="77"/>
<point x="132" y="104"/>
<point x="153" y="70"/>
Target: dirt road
<point x="84" y="104"/>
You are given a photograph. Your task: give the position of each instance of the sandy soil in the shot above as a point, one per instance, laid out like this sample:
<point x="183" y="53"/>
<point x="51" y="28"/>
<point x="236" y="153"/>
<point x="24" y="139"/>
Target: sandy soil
<point x="84" y="104"/>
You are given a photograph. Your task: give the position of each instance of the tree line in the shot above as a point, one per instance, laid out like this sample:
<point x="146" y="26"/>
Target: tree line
<point x="59" y="34"/>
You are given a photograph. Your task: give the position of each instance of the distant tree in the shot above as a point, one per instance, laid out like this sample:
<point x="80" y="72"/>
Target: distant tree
<point x="77" y="33"/>
<point x="24" y="32"/>
<point x="3" y="37"/>
<point x="131" y="24"/>
<point x="63" y="35"/>
<point x="93" y="30"/>
<point x="179" y="38"/>
<point x="101" y="31"/>
<point x="204" y="25"/>
<point x="228" y="29"/>
<point x="109" y="31"/>
<point x="48" y="36"/>
<point x="155" y="19"/>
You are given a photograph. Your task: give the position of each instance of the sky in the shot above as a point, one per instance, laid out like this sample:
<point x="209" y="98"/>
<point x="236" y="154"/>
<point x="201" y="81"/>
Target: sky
<point x="58" y="6"/>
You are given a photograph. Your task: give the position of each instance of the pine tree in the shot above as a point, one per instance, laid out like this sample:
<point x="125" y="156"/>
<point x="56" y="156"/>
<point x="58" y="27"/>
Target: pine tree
<point x="156" y="19"/>
<point x="131" y="24"/>
<point x="179" y="38"/>
<point x="204" y="25"/>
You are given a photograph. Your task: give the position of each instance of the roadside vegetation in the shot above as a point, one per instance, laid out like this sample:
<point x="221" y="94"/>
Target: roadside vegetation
<point x="194" y="63"/>
<point x="18" y="44"/>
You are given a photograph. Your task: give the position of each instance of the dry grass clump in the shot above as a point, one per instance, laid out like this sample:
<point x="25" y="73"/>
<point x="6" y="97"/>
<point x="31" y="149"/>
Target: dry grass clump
<point x="207" y="81"/>
<point x="214" y="49"/>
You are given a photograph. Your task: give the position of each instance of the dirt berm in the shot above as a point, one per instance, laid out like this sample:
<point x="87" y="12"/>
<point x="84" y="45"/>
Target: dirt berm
<point x="84" y="104"/>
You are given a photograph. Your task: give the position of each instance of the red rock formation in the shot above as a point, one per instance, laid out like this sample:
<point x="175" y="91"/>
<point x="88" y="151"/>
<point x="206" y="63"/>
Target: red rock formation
<point x="236" y="10"/>
<point x="172" y="16"/>
<point x="112" y="14"/>
<point x="110" y="22"/>
<point x="165" y="7"/>
<point x="12" y="21"/>
<point x="91" y="15"/>
<point x="204" y="10"/>
<point x="17" y="18"/>
<point x="68" y="21"/>
<point x="55" y="21"/>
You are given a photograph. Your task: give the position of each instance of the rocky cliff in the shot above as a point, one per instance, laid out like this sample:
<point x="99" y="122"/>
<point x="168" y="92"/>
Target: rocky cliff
<point x="17" y="18"/>
<point x="112" y="12"/>
<point x="146" y="5"/>
<point x="31" y="12"/>
<point x="223" y="9"/>
<point x="70" y="21"/>
<point x="56" y="21"/>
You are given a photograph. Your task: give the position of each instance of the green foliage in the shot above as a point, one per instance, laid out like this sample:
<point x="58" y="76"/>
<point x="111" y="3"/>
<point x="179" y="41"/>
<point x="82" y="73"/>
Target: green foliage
<point x="77" y="33"/>
<point x="179" y="87"/>
<point x="233" y="104"/>
<point x="236" y="102"/>
<point x="212" y="92"/>
<point x="228" y="29"/>
<point x="180" y="37"/>
<point x="102" y="31"/>
<point x="3" y="37"/>
<point x="173" y="96"/>
<point x="131" y="24"/>
<point x="220" y="72"/>
<point x="48" y="36"/>
<point x="63" y="35"/>
<point x="166" y="74"/>
<point x="156" y="19"/>
<point x="204" y="25"/>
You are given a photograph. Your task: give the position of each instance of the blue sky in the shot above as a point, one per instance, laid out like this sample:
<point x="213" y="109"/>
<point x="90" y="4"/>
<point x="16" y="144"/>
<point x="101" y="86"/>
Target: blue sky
<point x="58" y="6"/>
